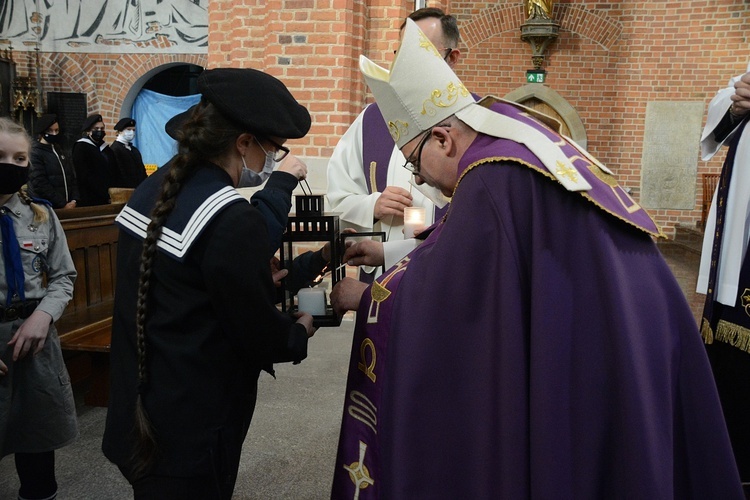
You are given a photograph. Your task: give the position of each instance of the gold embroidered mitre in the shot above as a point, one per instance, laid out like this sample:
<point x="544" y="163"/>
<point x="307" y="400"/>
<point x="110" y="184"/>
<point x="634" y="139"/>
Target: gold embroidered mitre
<point x="421" y="89"/>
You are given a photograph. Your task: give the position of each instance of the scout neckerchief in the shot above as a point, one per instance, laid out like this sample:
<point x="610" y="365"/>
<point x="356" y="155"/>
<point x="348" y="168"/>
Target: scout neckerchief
<point x="12" y="258"/>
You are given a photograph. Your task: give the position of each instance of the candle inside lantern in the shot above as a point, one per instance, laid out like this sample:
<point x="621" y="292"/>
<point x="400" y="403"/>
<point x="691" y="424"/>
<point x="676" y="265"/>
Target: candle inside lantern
<point x="414" y="218"/>
<point x="312" y="301"/>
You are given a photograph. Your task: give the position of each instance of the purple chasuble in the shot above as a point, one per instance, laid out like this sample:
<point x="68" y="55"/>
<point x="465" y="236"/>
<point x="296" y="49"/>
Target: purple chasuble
<point x="358" y="462"/>
<point x="535" y="347"/>
<point x="605" y="191"/>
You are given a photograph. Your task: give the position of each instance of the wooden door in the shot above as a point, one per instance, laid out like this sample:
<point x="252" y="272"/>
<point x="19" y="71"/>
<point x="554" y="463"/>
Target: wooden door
<point x="542" y="107"/>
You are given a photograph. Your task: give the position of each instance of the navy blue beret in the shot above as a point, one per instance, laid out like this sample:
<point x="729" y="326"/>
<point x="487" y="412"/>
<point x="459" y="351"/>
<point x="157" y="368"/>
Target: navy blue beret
<point x="44" y="122"/>
<point x="124" y="123"/>
<point x="255" y="101"/>
<point x="90" y="121"/>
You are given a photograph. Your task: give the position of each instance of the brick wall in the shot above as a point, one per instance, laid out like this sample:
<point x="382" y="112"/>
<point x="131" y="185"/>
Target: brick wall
<point x="106" y="79"/>
<point x="610" y="60"/>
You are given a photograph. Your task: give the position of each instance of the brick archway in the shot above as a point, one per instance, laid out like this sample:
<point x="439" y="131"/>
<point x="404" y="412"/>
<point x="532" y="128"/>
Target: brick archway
<point x="557" y="103"/>
<point x="131" y="78"/>
<point x="74" y="73"/>
<point x="125" y="78"/>
<point x="595" y="25"/>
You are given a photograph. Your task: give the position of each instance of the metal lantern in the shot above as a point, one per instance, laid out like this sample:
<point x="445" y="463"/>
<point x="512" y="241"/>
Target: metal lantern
<point x="310" y="224"/>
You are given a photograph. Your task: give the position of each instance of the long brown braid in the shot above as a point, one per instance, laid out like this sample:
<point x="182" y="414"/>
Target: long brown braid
<point x="205" y="134"/>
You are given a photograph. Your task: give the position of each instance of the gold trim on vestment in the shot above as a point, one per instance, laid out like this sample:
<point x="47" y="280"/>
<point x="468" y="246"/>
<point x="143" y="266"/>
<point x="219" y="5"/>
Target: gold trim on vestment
<point x="379" y="292"/>
<point x="545" y="172"/>
<point x="373" y="177"/>
<point x="706" y="332"/>
<point x="729" y="333"/>
<point x="600" y="174"/>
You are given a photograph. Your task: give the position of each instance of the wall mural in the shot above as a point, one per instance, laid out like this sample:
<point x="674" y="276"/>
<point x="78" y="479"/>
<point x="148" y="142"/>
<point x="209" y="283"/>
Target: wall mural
<point x="144" y="26"/>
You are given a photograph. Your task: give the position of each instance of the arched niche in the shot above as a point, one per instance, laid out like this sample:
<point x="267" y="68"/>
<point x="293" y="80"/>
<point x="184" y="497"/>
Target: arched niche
<point x="545" y="100"/>
<point x="129" y="99"/>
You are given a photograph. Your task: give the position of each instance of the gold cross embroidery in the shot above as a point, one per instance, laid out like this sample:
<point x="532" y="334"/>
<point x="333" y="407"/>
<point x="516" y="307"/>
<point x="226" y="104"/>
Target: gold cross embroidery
<point x="565" y="170"/>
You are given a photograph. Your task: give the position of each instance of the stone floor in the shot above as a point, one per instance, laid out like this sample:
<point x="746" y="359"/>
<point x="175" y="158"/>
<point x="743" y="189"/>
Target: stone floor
<point x="288" y="454"/>
<point x="684" y="264"/>
<point x="291" y="447"/>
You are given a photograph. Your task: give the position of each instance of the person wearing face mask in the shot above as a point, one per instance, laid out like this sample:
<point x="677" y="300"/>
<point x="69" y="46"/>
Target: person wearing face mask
<point x="251" y="179"/>
<point x="37" y="410"/>
<point x="129" y="168"/>
<point x="94" y="163"/>
<point x="51" y="177"/>
<point x="274" y="199"/>
<point x="194" y="321"/>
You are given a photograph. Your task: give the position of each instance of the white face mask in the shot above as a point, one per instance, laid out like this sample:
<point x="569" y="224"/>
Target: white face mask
<point x="128" y="135"/>
<point x="268" y="165"/>
<point x="431" y="193"/>
<point x="252" y="175"/>
<point x="248" y="178"/>
<point x="245" y="169"/>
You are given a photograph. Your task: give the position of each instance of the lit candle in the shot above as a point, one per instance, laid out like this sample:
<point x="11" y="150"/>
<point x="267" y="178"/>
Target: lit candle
<point x="312" y="301"/>
<point x="414" y="218"/>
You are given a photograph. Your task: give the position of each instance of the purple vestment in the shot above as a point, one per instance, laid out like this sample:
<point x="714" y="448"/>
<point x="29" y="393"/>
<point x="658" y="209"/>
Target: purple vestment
<point x="534" y="346"/>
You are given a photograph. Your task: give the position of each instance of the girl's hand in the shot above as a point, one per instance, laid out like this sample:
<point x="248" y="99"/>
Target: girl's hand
<point x="293" y="165"/>
<point x="306" y="320"/>
<point x="31" y="335"/>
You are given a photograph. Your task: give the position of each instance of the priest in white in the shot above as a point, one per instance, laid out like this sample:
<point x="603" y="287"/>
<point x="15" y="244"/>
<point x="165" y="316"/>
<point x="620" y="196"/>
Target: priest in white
<point x="370" y="188"/>
<point x="725" y="269"/>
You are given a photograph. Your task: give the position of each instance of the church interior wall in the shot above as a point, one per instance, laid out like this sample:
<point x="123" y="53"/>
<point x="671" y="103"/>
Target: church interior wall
<point x="610" y="60"/>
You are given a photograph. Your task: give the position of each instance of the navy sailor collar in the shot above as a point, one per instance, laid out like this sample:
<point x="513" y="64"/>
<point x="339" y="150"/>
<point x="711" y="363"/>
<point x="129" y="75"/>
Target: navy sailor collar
<point x="87" y="140"/>
<point x="205" y="194"/>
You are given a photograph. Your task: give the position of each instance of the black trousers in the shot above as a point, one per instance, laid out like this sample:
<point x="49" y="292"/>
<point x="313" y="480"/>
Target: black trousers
<point x="167" y="488"/>
<point x="36" y="471"/>
<point x="731" y="368"/>
<point x="156" y="487"/>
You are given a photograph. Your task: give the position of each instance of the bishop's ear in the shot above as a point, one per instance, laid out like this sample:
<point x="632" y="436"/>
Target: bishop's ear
<point x="443" y="138"/>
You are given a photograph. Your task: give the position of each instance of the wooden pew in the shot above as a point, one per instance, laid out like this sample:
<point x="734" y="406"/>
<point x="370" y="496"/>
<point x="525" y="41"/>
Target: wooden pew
<point x="85" y="327"/>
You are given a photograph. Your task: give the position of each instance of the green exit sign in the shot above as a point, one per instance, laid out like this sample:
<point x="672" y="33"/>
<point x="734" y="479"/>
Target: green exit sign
<point x="535" y="76"/>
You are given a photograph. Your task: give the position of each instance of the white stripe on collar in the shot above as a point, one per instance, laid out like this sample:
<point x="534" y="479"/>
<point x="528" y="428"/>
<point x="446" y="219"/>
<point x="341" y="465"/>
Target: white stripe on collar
<point x="88" y="140"/>
<point x="170" y="241"/>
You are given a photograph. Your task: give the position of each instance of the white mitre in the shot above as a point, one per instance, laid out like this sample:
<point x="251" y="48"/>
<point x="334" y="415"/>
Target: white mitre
<point x="421" y="89"/>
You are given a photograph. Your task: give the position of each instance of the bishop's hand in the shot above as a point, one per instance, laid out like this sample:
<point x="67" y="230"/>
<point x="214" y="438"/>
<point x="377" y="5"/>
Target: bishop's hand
<point x="346" y="295"/>
<point x="364" y="253"/>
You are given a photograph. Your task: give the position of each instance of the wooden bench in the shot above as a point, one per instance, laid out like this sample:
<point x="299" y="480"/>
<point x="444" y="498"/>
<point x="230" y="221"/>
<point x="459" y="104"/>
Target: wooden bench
<point x="85" y="327"/>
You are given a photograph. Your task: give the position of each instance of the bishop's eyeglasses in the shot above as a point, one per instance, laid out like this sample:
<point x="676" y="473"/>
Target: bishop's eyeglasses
<point x="447" y="50"/>
<point x="413" y="164"/>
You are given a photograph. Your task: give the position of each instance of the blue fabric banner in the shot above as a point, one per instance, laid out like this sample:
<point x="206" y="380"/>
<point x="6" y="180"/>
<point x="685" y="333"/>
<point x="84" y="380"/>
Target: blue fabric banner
<point x="151" y="111"/>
